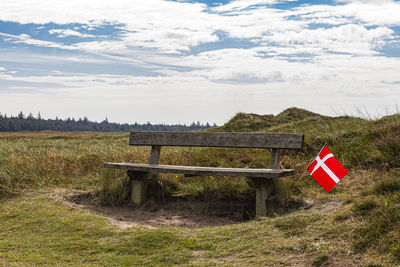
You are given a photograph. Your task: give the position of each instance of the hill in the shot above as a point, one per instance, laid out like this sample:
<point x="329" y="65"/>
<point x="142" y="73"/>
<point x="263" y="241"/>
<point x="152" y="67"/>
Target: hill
<point x="359" y="142"/>
<point x="244" y="122"/>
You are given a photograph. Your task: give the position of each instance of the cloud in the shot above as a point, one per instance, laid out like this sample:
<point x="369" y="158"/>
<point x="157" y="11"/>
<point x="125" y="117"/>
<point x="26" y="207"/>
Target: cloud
<point x="350" y="38"/>
<point x="182" y="52"/>
<point x="26" y="39"/>
<point x="166" y="25"/>
<point x="243" y="4"/>
<point x="382" y="13"/>
<point x="68" y="32"/>
<point x="176" y="27"/>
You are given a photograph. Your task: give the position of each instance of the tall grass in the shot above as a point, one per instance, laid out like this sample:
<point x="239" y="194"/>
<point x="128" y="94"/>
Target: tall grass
<point x="76" y="159"/>
<point x="41" y="159"/>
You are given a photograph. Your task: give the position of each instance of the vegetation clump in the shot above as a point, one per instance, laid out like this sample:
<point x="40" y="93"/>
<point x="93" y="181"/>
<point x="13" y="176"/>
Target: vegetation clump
<point x="387" y="187"/>
<point x="320" y="260"/>
<point x="365" y="206"/>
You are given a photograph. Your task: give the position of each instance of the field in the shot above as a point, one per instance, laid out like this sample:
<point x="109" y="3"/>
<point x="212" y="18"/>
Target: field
<point x="59" y="206"/>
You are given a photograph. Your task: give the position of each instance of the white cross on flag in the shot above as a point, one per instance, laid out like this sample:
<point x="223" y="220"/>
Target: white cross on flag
<point x="326" y="169"/>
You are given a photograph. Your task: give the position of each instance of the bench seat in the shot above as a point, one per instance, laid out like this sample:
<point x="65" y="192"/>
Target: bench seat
<point x="202" y="171"/>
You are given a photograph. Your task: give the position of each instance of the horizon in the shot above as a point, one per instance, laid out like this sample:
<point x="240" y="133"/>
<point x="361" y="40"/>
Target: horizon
<point x="182" y="61"/>
<point x="36" y="117"/>
<point x="362" y="113"/>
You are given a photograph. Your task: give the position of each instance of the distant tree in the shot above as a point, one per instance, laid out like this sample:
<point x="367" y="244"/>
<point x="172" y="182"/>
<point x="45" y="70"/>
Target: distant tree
<point x="11" y="126"/>
<point x="21" y="115"/>
<point x="29" y="123"/>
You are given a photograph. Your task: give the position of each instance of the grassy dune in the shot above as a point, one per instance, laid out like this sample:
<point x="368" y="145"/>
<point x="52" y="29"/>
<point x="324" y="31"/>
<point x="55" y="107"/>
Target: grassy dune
<point x="356" y="224"/>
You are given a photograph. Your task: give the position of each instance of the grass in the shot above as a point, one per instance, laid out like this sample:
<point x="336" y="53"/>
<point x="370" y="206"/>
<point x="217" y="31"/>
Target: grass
<point x="38" y="231"/>
<point x="359" y="218"/>
<point x="379" y="214"/>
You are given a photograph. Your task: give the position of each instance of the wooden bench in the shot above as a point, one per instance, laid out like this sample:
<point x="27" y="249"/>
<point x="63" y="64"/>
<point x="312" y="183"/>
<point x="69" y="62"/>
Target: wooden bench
<point x="261" y="179"/>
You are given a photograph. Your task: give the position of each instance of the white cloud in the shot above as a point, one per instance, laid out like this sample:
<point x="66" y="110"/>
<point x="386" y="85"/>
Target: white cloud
<point x="242" y="4"/>
<point x="350" y="38"/>
<point x="152" y="23"/>
<point x="382" y="13"/>
<point x="26" y="39"/>
<point x="171" y="27"/>
<point x="68" y="32"/>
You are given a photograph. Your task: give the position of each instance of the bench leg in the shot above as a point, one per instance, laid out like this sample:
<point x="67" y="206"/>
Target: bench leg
<point x="138" y="187"/>
<point x="264" y="189"/>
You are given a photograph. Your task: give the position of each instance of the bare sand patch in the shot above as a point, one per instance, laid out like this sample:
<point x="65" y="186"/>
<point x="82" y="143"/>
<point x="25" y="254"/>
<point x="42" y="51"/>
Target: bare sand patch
<point x="152" y="214"/>
<point x="190" y="214"/>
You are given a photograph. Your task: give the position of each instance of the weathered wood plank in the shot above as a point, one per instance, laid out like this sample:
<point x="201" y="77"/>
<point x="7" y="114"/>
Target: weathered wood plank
<point x="154" y="154"/>
<point x="275" y="156"/>
<point x="202" y="171"/>
<point x="240" y="140"/>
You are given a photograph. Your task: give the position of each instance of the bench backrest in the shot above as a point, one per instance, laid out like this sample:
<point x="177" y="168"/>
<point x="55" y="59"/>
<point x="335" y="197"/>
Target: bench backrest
<point x="275" y="141"/>
<point x="200" y="139"/>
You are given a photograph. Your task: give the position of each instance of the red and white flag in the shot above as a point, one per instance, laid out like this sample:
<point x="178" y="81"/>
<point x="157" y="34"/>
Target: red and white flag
<point x="326" y="169"/>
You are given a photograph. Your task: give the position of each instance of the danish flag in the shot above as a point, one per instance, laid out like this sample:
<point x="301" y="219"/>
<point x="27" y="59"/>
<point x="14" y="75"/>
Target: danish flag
<point x="326" y="169"/>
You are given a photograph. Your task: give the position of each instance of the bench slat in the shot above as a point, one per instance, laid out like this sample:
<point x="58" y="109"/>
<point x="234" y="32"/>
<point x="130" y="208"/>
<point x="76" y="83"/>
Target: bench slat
<point x="240" y="140"/>
<point x="201" y="171"/>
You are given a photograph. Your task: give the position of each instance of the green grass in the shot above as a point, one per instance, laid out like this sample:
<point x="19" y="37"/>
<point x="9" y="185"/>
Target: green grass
<point x="379" y="215"/>
<point x="37" y="230"/>
<point x="359" y="218"/>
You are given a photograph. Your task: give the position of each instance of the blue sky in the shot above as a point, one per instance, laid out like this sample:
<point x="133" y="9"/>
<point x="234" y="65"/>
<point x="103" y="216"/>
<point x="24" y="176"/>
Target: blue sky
<point x="183" y="61"/>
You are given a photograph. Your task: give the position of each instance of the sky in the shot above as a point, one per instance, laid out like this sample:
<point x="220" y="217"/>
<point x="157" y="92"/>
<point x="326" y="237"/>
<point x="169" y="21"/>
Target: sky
<point x="182" y="61"/>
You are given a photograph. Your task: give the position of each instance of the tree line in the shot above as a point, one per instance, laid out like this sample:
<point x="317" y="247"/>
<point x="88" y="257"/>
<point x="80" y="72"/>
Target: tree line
<point x="37" y="123"/>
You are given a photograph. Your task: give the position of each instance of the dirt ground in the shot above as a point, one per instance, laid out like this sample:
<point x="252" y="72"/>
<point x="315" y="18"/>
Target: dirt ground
<point x="151" y="215"/>
<point x="190" y="214"/>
